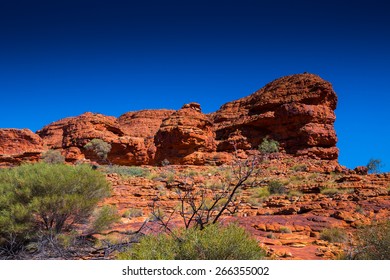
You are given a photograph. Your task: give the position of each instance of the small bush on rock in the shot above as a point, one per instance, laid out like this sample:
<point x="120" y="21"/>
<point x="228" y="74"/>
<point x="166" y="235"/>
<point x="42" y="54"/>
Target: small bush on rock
<point x="99" y="147"/>
<point x="53" y="157"/>
<point x="334" y="235"/>
<point x="269" y="146"/>
<point x="277" y="187"/>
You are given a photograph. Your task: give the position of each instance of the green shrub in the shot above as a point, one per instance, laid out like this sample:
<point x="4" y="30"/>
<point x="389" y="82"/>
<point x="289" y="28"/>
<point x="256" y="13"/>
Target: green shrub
<point x="215" y="242"/>
<point x="152" y="247"/>
<point x="53" y="157"/>
<point x="294" y="193"/>
<point x="132" y="213"/>
<point x="284" y="229"/>
<point x="104" y="217"/>
<point x="334" y="235"/>
<point x="330" y="191"/>
<point x="99" y="147"/>
<point x="127" y="171"/>
<point x="47" y="197"/>
<point x="334" y="191"/>
<point x="269" y="146"/>
<point x="276" y="187"/>
<point x="299" y="167"/>
<point x="169" y="176"/>
<point x="373" y="242"/>
<point x="259" y="195"/>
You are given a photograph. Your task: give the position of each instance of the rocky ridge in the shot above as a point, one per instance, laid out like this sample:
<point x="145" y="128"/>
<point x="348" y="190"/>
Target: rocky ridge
<point x="296" y="110"/>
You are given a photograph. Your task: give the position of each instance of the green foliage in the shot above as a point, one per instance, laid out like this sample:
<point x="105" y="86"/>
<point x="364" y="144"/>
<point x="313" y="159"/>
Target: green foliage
<point x="373" y="242"/>
<point x="259" y="194"/>
<point x="284" y="229"/>
<point x="374" y="165"/>
<point x="99" y="147"/>
<point x="47" y="197"/>
<point x="277" y="187"/>
<point x="169" y="176"/>
<point x="104" y="218"/>
<point x="132" y="213"/>
<point x="127" y="171"/>
<point x="269" y="146"/>
<point x="215" y="242"/>
<point x="293" y="193"/>
<point x="334" y="235"/>
<point x="330" y="191"/>
<point x="334" y="191"/>
<point x="299" y="167"/>
<point x="53" y="157"/>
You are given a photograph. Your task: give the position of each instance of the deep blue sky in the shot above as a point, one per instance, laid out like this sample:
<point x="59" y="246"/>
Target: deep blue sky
<point x="63" y="58"/>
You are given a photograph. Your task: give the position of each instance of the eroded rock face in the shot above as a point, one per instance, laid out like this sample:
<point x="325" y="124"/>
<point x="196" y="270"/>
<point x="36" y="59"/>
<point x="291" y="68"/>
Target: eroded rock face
<point x="144" y="124"/>
<point x="71" y="135"/>
<point x="18" y="145"/>
<point x="186" y="137"/>
<point x="297" y="111"/>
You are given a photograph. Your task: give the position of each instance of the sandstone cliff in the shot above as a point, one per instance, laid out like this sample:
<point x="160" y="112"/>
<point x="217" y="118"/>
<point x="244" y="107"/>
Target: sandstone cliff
<point x="18" y="145"/>
<point x="296" y="110"/>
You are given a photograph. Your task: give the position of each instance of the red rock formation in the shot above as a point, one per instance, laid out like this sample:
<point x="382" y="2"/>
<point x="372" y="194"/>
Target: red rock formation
<point x="186" y="137"/>
<point x="297" y="111"/>
<point x="73" y="133"/>
<point x="144" y="124"/>
<point x="18" y="145"/>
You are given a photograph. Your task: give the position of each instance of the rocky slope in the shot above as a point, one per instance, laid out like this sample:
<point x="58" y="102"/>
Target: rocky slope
<point x="297" y="111"/>
<point x="288" y="224"/>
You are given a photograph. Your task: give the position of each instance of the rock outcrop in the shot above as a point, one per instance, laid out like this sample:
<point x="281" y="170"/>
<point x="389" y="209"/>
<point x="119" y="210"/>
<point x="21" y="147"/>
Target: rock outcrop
<point x="19" y="145"/>
<point x="186" y="137"/>
<point x="297" y="111"/>
<point x="71" y="135"/>
<point x="144" y="124"/>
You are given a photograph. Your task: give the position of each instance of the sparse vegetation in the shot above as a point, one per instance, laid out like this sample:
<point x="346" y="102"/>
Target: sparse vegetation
<point x="374" y="165"/>
<point x="373" y="242"/>
<point x="335" y="191"/>
<point x="277" y="187"/>
<point x="293" y="193"/>
<point x="215" y="242"/>
<point x="99" y="147"/>
<point x="334" y="235"/>
<point x="133" y="213"/>
<point x="299" y="167"/>
<point x="269" y="146"/>
<point x="127" y="171"/>
<point x="169" y="176"/>
<point x="53" y="157"/>
<point x="284" y="229"/>
<point x="259" y="195"/>
<point x="104" y="217"/>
